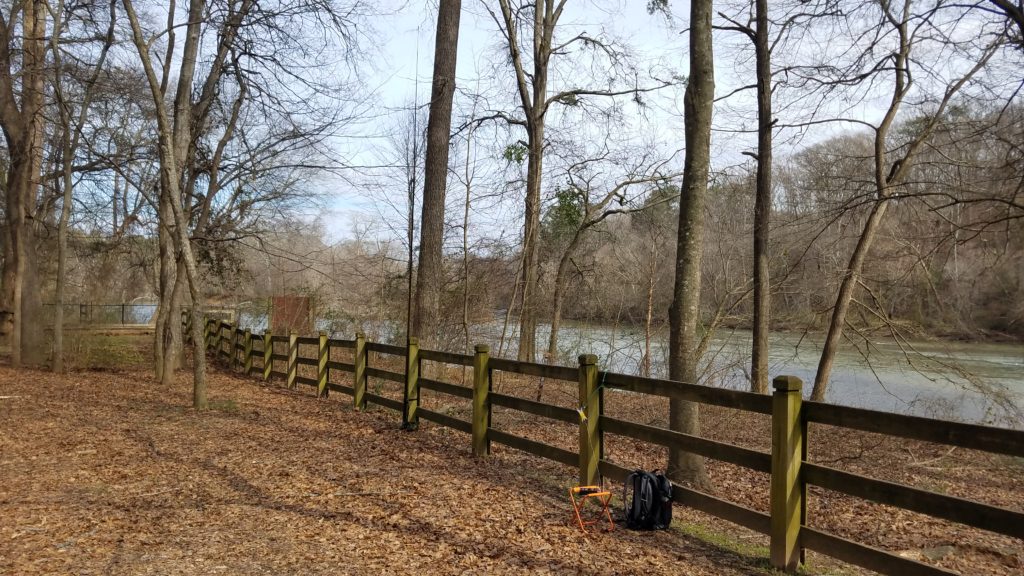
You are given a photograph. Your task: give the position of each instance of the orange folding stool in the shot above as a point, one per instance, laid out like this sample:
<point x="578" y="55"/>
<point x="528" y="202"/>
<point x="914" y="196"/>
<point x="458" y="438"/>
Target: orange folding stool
<point x="579" y="496"/>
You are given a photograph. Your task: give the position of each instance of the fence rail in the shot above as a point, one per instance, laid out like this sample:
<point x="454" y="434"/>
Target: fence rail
<point x="99" y="315"/>
<point x="790" y="471"/>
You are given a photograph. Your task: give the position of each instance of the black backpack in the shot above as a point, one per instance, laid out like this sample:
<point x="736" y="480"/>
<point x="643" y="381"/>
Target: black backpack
<point x="650" y="506"/>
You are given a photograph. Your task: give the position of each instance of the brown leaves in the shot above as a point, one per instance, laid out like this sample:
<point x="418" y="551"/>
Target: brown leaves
<point x="110" y="473"/>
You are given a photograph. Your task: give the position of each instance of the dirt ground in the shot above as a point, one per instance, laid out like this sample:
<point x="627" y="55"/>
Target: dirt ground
<point x="108" y="473"/>
<point x="105" y="472"/>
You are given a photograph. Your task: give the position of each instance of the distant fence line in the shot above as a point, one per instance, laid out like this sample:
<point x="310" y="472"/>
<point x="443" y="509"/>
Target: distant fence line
<point x="106" y="314"/>
<point x="791" y="473"/>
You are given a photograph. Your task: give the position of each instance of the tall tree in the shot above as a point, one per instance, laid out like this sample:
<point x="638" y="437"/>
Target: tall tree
<point x="895" y="23"/>
<point x="71" y="126"/>
<point x="21" y="117"/>
<point x="684" y="314"/>
<point x="175" y="126"/>
<point x="541" y="21"/>
<point x="582" y="205"/>
<point x="758" y="35"/>
<point x="430" y="281"/>
<point x="532" y="88"/>
<point x="762" y="202"/>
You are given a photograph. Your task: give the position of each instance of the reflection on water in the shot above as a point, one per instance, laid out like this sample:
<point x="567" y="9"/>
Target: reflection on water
<point x="971" y="382"/>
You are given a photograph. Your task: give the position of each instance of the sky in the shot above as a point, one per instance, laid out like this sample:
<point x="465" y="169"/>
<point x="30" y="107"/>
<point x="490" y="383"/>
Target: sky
<point x="401" y="64"/>
<point x="403" y="70"/>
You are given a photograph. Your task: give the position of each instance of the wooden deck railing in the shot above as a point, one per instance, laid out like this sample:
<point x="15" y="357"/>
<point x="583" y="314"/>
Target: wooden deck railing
<point x="791" y="473"/>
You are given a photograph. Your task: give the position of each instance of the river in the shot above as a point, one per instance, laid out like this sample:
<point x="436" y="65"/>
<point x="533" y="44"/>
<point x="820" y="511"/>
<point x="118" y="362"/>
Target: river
<point x="970" y="382"/>
<point x="965" y="381"/>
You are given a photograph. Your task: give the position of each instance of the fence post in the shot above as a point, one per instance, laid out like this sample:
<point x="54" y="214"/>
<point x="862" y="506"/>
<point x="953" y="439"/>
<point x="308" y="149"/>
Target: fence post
<point x="216" y="339"/>
<point x="247" y="352"/>
<point x="410" y="413"/>
<point x="268" y="354"/>
<point x="293" y="359"/>
<point x="481" y="402"/>
<point x="321" y="374"/>
<point x="359" y="373"/>
<point x="233" y="362"/>
<point x="187" y="322"/>
<point x="590" y="415"/>
<point x="787" y="487"/>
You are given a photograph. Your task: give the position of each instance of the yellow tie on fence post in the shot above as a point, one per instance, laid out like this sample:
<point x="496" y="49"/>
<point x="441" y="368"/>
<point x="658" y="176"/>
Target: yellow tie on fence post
<point x="293" y="359"/>
<point x="321" y="373"/>
<point x="590" y="415"/>
<point x="359" y="373"/>
<point x="481" y="402"/>
<point x="788" y="491"/>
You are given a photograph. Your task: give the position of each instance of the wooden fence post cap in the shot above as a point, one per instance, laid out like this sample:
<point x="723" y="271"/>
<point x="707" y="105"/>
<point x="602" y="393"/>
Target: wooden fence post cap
<point x="293" y="333"/>
<point x="588" y="359"/>
<point x="787" y="384"/>
<point x="360" y="335"/>
<point x="414" y="341"/>
<point x="323" y="333"/>
<point x="482" y="349"/>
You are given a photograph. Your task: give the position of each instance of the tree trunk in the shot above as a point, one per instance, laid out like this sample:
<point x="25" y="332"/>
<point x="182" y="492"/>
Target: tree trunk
<point x="26" y="336"/>
<point x="167" y="279"/>
<point x="762" y="204"/>
<point x="23" y="131"/>
<point x="561" y="279"/>
<point x="7" y="275"/>
<point x="17" y="184"/>
<point x="430" y="281"/>
<point x="172" y="341"/>
<point x="183" y="246"/>
<point x="531" y="239"/>
<point x="685" y="311"/>
<point x="645" y="366"/>
<point x="465" y="244"/>
<point x="62" y="256"/>
<point x="844" y="298"/>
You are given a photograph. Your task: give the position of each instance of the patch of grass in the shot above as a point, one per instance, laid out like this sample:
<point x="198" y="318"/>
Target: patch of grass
<point x="101" y="351"/>
<point x="1013" y="462"/>
<point x="756" y="553"/>
<point x="725" y="541"/>
<point x="226" y="405"/>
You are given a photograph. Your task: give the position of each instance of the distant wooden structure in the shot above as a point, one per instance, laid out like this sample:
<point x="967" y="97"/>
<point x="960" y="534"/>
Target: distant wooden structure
<point x="291" y="313"/>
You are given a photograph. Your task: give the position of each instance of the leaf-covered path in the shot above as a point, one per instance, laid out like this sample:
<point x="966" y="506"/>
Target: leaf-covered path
<point x="104" y="473"/>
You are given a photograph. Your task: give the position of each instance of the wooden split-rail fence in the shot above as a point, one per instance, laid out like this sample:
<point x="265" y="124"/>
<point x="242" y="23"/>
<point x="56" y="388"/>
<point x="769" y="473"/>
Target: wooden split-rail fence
<point x="791" y="416"/>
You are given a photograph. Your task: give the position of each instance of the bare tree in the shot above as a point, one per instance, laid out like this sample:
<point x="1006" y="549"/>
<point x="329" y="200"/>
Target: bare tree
<point x="431" y="265"/>
<point x="906" y="34"/>
<point x="684" y="314"/>
<point x="71" y="135"/>
<point x="21" y="117"/>
<point x="175" y="132"/>
<point x="594" y="206"/>
<point x="532" y="70"/>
